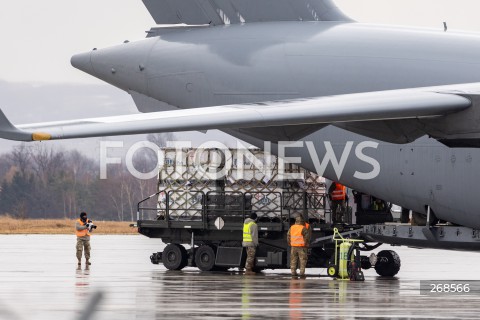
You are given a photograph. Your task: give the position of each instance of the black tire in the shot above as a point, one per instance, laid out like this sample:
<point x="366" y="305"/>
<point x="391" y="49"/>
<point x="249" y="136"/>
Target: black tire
<point x="205" y="258"/>
<point x="388" y="263"/>
<point x="174" y="257"/>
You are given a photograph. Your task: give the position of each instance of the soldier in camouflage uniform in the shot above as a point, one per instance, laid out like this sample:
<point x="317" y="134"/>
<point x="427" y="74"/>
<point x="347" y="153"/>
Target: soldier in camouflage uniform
<point x="298" y="237"/>
<point x="83" y="238"/>
<point x="250" y="241"/>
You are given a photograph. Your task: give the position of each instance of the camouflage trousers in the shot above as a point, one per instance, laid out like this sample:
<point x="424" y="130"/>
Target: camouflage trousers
<point x="250" y="258"/>
<point x="338" y="209"/>
<point x="83" y="244"/>
<point x="298" y="254"/>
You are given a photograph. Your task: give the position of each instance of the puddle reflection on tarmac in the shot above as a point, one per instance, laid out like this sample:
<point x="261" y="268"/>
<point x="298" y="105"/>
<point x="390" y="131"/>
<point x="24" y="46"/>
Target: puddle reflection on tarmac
<point x="40" y="280"/>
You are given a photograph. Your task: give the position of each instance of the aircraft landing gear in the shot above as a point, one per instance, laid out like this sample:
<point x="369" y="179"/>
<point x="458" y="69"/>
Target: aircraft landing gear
<point x="388" y="263"/>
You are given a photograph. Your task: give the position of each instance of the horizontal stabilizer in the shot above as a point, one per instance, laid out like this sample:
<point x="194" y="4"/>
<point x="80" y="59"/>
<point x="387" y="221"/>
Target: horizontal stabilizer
<point x="415" y="103"/>
<point x="217" y="12"/>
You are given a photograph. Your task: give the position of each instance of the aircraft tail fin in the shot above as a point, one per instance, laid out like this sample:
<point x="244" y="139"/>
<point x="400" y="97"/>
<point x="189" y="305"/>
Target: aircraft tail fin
<point x="218" y="12"/>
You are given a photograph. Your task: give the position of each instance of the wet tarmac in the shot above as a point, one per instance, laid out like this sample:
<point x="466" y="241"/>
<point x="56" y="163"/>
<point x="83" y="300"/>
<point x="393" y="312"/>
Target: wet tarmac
<point x="39" y="280"/>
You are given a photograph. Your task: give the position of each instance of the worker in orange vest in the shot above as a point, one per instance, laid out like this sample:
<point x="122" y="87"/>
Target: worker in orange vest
<point x="338" y="195"/>
<point x="83" y="227"/>
<point x="298" y="239"/>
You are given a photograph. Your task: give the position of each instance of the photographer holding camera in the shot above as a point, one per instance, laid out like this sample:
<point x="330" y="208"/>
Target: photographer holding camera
<point x="83" y="227"/>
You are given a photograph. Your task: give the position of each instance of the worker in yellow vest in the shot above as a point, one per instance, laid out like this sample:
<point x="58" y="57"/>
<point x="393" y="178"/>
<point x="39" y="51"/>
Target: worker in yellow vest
<point x="298" y="239"/>
<point x="83" y="228"/>
<point x="250" y="241"/>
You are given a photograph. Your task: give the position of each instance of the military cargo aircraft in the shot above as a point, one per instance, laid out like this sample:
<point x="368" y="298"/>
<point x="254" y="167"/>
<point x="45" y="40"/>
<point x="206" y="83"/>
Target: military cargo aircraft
<point x="394" y="109"/>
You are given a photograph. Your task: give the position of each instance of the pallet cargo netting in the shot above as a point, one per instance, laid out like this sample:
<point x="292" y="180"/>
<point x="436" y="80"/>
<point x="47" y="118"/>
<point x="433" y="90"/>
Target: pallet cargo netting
<point x="196" y="182"/>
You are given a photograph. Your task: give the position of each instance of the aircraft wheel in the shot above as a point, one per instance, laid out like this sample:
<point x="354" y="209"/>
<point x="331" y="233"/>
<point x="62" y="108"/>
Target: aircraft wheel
<point x="205" y="258"/>
<point x="175" y="257"/>
<point x="388" y="263"/>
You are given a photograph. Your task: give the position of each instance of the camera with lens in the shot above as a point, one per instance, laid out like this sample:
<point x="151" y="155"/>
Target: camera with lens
<point x="90" y="225"/>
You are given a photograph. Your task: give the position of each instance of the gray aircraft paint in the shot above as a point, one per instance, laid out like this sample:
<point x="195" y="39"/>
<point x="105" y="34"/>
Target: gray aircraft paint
<point x="415" y="175"/>
<point x="216" y="65"/>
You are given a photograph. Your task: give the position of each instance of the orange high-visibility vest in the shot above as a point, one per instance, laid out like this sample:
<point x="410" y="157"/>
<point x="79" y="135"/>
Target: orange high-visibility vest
<point x="81" y="233"/>
<point x="340" y="192"/>
<point x="296" y="237"/>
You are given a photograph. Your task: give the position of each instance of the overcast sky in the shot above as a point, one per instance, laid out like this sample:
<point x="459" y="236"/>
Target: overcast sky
<point x="39" y="37"/>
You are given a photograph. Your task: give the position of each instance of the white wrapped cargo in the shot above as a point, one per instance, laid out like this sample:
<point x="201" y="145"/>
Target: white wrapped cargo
<point x="188" y="175"/>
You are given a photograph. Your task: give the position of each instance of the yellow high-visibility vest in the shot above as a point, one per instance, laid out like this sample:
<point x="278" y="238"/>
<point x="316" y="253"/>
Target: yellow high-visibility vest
<point x="247" y="236"/>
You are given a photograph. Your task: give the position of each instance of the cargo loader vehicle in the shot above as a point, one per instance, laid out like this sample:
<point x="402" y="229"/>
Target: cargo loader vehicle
<point x="200" y="219"/>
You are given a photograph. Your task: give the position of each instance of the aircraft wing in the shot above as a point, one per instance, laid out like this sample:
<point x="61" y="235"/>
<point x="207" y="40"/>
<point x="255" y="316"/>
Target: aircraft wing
<point x="383" y="105"/>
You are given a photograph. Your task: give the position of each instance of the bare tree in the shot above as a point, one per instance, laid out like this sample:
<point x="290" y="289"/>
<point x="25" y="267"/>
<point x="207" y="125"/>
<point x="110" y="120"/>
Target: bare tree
<point x="118" y="204"/>
<point x="38" y="180"/>
<point x="47" y="162"/>
<point x="5" y="167"/>
<point x="20" y="157"/>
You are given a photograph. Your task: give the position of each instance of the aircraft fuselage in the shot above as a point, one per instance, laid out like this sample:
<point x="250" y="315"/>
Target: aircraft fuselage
<point x="284" y="60"/>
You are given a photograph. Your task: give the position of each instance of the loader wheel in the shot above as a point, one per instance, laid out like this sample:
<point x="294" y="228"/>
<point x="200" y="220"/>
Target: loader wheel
<point x="205" y="258"/>
<point x="388" y="263"/>
<point x="332" y="270"/>
<point x="175" y="257"/>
